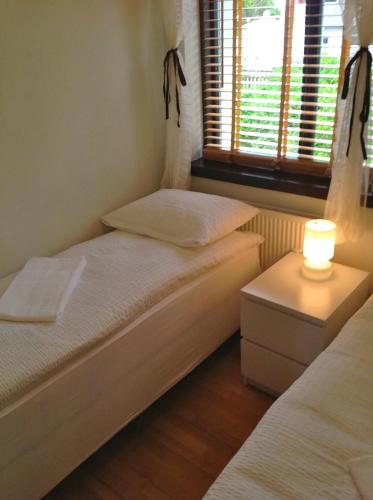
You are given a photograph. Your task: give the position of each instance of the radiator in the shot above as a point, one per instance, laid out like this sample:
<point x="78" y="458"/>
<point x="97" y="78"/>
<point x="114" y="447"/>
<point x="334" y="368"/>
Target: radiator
<point x="282" y="232"/>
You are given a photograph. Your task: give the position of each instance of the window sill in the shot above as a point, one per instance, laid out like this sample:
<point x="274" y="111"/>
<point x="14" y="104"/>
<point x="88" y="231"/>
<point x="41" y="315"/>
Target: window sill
<point x="277" y="180"/>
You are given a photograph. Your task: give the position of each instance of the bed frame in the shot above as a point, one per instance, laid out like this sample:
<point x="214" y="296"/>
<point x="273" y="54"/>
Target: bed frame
<point x="50" y="431"/>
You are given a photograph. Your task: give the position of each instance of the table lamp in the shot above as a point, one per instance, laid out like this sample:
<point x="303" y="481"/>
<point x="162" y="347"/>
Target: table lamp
<point x="318" y="249"/>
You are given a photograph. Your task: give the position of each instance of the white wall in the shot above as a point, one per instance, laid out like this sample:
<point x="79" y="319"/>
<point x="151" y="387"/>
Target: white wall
<point x="358" y="255"/>
<point x="81" y="118"/>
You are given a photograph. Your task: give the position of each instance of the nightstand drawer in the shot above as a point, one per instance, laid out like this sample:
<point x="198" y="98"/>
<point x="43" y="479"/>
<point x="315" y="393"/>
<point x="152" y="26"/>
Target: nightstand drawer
<point x="268" y="370"/>
<point x="280" y="332"/>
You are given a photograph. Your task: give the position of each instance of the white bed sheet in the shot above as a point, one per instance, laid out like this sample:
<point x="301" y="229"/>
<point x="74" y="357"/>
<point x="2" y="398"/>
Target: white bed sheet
<point x="71" y="413"/>
<point x="125" y="275"/>
<point x="301" y="447"/>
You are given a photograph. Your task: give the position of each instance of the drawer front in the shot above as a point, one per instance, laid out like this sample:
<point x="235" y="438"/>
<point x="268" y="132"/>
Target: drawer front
<point x="268" y="370"/>
<point x="280" y="332"/>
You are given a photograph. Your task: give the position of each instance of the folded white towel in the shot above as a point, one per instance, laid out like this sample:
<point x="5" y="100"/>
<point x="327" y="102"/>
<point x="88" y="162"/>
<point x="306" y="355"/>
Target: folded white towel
<point x="42" y="289"/>
<point x="361" y="470"/>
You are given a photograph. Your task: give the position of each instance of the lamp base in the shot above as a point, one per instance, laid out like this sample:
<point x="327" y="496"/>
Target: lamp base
<point x="318" y="271"/>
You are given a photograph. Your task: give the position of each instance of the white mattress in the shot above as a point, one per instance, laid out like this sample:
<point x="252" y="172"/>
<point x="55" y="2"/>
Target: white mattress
<point x="301" y="447"/>
<point x="126" y="274"/>
<point x="69" y="414"/>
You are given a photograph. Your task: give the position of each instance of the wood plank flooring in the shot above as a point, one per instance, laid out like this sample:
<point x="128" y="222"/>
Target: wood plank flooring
<point x="177" y="448"/>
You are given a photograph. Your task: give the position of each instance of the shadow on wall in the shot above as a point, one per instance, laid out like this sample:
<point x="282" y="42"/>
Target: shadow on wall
<point x="82" y="128"/>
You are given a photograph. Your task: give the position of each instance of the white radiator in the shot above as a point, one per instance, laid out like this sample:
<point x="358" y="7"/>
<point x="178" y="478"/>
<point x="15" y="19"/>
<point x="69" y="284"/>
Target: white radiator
<point x="282" y="232"/>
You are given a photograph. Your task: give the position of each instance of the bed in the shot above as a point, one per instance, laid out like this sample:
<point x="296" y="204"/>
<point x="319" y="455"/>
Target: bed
<point x="144" y="315"/>
<point x="304" y="446"/>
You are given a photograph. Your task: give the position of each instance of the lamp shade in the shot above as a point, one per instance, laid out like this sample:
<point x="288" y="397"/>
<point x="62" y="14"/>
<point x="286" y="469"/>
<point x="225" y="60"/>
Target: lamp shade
<point x="319" y="238"/>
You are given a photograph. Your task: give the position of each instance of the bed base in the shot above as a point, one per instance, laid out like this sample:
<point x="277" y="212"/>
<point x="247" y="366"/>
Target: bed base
<point x="47" y="434"/>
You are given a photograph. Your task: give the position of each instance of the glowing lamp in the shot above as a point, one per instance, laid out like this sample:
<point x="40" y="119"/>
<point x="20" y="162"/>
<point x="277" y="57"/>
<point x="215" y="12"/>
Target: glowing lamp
<point x="318" y="248"/>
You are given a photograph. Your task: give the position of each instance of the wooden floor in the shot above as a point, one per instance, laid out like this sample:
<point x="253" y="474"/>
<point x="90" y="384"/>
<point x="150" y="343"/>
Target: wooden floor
<point x="177" y="448"/>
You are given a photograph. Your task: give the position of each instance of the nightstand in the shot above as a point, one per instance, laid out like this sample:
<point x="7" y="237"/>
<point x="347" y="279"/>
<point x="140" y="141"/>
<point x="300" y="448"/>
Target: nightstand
<point x="287" y="319"/>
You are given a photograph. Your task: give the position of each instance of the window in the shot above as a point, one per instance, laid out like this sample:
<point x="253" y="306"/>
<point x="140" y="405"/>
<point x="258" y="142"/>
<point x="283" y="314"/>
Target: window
<point x="271" y="74"/>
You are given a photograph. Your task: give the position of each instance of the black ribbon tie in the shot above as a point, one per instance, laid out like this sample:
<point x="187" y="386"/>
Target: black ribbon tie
<point x="172" y="57"/>
<point x="364" y="115"/>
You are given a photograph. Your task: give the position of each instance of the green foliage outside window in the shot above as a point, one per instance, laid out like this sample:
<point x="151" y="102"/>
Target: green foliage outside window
<point x="255" y="8"/>
<point x="272" y="82"/>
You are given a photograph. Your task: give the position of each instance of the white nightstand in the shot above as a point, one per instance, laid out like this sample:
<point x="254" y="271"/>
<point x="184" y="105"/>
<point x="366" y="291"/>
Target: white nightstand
<point x="287" y="320"/>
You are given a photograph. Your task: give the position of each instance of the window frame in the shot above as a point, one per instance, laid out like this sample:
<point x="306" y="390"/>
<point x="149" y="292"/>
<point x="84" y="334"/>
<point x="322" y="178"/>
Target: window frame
<point x="313" y="31"/>
<point x="242" y="160"/>
<point x="275" y="180"/>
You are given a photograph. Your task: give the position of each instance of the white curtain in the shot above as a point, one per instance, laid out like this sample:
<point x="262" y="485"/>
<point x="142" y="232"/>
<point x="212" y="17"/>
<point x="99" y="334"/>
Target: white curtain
<point x="349" y="183"/>
<point x="184" y="142"/>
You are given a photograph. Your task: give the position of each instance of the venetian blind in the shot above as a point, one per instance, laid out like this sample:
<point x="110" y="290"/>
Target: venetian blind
<point x="271" y="74"/>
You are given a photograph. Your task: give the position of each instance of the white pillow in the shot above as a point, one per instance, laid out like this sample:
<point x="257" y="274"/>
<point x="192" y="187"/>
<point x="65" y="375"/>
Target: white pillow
<point x="185" y="218"/>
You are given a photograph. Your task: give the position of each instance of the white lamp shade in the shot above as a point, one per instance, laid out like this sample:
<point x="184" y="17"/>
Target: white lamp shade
<point x="319" y="238"/>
